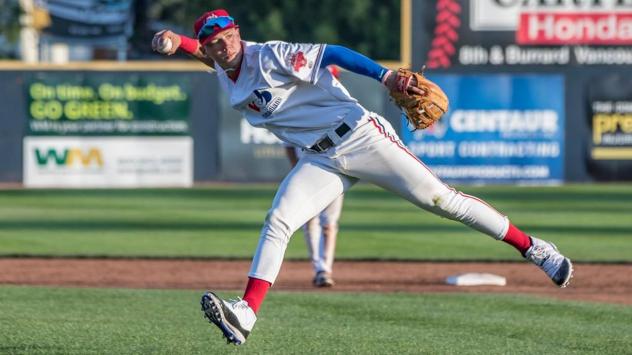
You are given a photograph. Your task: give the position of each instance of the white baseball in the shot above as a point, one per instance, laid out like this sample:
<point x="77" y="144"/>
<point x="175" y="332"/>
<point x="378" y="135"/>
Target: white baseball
<point x="164" y="46"/>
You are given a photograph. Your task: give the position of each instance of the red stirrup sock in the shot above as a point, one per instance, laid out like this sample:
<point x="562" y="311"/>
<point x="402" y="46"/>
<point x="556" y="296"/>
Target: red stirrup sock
<point x="518" y="239"/>
<point x="255" y="292"/>
<point x="188" y="45"/>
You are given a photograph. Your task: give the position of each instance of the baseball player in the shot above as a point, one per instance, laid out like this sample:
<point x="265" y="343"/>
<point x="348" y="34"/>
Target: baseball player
<point x="320" y="233"/>
<point x="284" y="87"/>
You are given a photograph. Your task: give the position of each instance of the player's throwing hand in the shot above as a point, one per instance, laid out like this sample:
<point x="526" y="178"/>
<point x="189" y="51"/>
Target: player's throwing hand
<point x="165" y="42"/>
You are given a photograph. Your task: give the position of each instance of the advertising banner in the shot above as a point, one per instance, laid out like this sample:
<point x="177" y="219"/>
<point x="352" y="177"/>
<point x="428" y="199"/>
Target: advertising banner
<point x="98" y="129"/>
<point x="98" y="104"/>
<point x="515" y="33"/>
<point x="499" y="129"/>
<point x="610" y="122"/>
<point x="86" y="162"/>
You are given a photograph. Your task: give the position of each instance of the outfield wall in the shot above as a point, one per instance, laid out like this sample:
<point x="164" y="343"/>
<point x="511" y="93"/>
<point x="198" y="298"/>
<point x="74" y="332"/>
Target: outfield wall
<point x="153" y="124"/>
<point x="540" y="92"/>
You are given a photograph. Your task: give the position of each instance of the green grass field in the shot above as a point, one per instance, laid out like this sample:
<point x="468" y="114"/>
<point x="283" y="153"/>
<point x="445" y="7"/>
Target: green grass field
<point x="588" y="222"/>
<point x="63" y="321"/>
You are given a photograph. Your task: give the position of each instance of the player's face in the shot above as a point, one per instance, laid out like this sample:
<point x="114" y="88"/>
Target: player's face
<point x="225" y="48"/>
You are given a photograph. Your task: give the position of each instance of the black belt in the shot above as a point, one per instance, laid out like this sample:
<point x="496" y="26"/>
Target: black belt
<point x="326" y="143"/>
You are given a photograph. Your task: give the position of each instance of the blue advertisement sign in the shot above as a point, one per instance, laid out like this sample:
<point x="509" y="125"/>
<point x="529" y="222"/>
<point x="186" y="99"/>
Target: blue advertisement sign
<point x="500" y="128"/>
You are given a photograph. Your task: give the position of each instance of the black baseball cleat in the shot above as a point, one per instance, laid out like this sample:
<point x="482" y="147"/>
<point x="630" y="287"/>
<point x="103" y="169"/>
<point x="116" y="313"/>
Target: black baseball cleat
<point x="234" y="317"/>
<point x="546" y="256"/>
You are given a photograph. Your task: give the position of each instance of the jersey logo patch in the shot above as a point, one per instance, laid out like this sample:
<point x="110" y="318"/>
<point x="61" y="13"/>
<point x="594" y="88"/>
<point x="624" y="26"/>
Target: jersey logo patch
<point x="297" y="61"/>
<point x="262" y="99"/>
<point x="264" y="103"/>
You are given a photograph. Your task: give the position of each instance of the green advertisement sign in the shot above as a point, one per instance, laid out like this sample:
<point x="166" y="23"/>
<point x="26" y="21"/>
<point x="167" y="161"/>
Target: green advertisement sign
<point x="103" y="104"/>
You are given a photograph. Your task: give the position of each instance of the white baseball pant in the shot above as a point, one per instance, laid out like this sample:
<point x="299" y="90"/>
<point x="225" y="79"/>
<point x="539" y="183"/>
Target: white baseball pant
<point x="372" y="152"/>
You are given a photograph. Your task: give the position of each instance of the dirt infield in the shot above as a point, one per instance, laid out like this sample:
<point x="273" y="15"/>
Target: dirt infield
<point x="592" y="282"/>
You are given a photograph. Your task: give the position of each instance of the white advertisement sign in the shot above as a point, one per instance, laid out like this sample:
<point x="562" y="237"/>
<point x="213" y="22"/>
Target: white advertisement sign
<point x="88" y="162"/>
<point x="513" y="33"/>
<point x="505" y="15"/>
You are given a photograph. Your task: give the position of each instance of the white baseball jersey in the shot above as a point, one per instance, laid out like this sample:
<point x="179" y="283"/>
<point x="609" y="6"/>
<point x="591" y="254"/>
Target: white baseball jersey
<point x="281" y="87"/>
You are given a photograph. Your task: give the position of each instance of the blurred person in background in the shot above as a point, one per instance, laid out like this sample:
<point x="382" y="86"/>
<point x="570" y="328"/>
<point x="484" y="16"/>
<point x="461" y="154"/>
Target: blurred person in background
<point x="321" y="231"/>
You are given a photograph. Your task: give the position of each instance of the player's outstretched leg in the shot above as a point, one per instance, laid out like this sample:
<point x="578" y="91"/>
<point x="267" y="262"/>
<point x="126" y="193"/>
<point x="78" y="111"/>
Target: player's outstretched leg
<point x="546" y="256"/>
<point x="234" y="317"/>
<point x="411" y="179"/>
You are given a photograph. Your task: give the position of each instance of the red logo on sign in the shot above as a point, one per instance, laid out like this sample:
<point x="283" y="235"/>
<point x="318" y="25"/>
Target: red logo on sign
<point x="298" y="61"/>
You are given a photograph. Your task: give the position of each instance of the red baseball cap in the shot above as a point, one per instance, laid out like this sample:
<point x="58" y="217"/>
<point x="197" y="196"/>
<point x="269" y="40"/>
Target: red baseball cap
<point x="211" y="24"/>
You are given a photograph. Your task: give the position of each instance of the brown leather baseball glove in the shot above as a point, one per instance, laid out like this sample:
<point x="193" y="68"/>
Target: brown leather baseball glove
<point x="422" y="107"/>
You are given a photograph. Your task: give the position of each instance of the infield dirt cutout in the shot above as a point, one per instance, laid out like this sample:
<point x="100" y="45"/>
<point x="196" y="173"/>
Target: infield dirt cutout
<point x="611" y="283"/>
